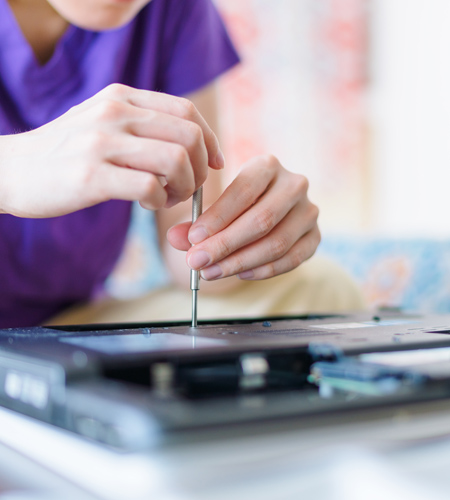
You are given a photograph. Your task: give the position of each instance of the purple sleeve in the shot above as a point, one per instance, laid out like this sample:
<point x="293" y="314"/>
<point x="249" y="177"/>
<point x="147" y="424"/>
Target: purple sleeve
<point x="199" y="48"/>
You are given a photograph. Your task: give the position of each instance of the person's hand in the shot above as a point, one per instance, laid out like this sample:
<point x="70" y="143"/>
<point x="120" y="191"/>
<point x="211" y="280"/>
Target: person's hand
<point x="123" y="143"/>
<point x="263" y="225"/>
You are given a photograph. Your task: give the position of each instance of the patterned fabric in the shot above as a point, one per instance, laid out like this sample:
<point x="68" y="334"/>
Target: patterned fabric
<point x="141" y="267"/>
<point x="301" y="94"/>
<point x="411" y="274"/>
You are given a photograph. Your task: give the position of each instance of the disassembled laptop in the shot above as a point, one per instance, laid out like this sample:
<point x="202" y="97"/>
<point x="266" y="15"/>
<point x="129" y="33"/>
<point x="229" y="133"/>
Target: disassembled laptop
<point x="129" y="385"/>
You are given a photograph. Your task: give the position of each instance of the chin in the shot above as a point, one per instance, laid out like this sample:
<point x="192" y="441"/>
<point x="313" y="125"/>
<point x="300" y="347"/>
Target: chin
<point x="99" y="15"/>
<point x="103" y="24"/>
<point x="104" y="21"/>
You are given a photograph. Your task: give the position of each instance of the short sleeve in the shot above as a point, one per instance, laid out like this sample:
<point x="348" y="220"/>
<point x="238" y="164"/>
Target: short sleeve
<point x="199" y="47"/>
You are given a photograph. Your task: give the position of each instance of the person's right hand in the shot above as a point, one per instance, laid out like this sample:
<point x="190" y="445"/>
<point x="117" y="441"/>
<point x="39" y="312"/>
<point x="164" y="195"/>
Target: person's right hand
<point x="122" y="143"/>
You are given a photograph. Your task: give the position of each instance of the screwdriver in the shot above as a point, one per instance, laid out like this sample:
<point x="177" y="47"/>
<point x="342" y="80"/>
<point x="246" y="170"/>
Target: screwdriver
<point x="197" y="207"/>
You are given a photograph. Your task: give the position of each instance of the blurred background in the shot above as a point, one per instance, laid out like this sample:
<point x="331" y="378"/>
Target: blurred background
<point x="354" y="94"/>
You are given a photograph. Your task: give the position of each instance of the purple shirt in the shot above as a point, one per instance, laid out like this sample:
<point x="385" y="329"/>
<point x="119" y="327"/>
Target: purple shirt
<point x="173" y="46"/>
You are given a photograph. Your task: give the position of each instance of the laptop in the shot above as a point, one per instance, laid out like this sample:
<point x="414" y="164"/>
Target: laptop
<point x="132" y="385"/>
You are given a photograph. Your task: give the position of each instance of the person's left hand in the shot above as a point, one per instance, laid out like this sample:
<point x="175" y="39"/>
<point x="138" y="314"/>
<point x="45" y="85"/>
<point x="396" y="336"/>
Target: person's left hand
<point x="263" y="225"/>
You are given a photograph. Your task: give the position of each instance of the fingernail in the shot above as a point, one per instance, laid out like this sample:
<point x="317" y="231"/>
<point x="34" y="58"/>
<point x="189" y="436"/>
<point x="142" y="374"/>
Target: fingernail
<point x="197" y="235"/>
<point x="199" y="259"/>
<point x="220" y="159"/>
<point x="211" y="273"/>
<point x="246" y="275"/>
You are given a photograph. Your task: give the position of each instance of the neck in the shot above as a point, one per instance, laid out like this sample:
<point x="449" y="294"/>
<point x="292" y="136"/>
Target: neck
<point x="41" y="25"/>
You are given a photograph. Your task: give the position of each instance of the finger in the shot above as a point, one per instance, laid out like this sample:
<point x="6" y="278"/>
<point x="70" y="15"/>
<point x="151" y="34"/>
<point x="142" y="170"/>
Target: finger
<point x="176" y="106"/>
<point x="270" y="248"/>
<point x="301" y="251"/>
<point x="164" y="127"/>
<point x="270" y="210"/>
<point x="178" y="236"/>
<point x="112" y="182"/>
<point x="168" y="160"/>
<point x="240" y="195"/>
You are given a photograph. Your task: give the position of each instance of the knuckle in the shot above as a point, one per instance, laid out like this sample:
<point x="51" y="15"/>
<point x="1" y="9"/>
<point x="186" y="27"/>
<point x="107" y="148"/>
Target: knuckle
<point x="317" y="237"/>
<point x="220" y="220"/>
<point x="246" y="191"/>
<point x="148" y="185"/>
<point x="314" y="238"/>
<point x="264" y="221"/>
<point x="314" y="212"/>
<point x="300" y="184"/>
<point x="151" y="195"/>
<point x="180" y="180"/>
<point x="186" y="193"/>
<point x="266" y="167"/>
<point x="238" y="264"/>
<point x="200" y="178"/>
<point x="109" y="110"/>
<point x="114" y="90"/>
<point x="186" y="108"/>
<point x="87" y="175"/>
<point x="225" y="246"/>
<point x="311" y="214"/>
<point x="297" y="258"/>
<point x="194" y="135"/>
<point x="269" y="270"/>
<point x="279" y="246"/>
<point x="97" y="142"/>
<point x="178" y="155"/>
<point x="270" y="162"/>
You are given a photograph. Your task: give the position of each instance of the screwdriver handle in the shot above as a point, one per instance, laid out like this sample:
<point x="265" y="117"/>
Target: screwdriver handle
<point x="197" y="204"/>
<point x="197" y="208"/>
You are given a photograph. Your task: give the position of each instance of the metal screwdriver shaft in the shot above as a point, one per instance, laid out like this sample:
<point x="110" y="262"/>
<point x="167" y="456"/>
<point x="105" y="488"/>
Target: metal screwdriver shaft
<point x="197" y="207"/>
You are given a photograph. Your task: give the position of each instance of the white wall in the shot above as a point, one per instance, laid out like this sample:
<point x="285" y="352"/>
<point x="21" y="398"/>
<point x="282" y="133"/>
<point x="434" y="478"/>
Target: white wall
<point x="410" y="115"/>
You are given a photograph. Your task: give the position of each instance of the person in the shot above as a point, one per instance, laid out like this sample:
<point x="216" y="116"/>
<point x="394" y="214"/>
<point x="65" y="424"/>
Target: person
<point x="106" y="102"/>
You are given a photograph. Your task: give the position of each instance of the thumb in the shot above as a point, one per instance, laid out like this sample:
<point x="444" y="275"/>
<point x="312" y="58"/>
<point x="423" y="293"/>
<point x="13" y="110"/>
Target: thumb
<point x="177" y="236"/>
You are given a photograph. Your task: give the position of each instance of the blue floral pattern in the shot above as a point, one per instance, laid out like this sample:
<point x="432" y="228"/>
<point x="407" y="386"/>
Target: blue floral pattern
<point x="413" y="274"/>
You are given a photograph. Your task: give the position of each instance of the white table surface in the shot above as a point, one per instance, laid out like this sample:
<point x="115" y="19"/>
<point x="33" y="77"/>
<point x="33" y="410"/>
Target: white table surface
<point x="389" y="455"/>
